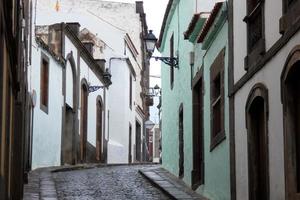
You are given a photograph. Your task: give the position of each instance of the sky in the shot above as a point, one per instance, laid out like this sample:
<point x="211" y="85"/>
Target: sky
<point x="154" y="10"/>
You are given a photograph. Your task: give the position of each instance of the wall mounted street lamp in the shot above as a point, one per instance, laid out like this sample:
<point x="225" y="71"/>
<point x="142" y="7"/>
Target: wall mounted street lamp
<point x="107" y="76"/>
<point x="154" y="91"/>
<point x="150" y="41"/>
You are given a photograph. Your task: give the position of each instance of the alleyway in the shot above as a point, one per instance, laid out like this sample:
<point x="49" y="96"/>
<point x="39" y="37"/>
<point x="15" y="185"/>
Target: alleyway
<point x="113" y="183"/>
<point x="122" y="182"/>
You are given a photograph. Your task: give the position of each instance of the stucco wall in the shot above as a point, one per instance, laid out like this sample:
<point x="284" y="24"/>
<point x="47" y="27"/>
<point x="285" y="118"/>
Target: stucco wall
<point x="181" y="93"/>
<point x="270" y="77"/>
<point x="120" y="113"/>
<point x="273" y="12"/>
<point x="46" y="147"/>
<point x="86" y="73"/>
<point x="216" y="169"/>
<point x="217" y="174"/>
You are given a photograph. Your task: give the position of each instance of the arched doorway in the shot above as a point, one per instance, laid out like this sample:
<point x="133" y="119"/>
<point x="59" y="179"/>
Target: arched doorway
<point x="83" y="120"/>
<point x="68" y="144"/>
<point x="99" y="128"/>
<point x="258" y="154"/>
<point x="290" y="83"/>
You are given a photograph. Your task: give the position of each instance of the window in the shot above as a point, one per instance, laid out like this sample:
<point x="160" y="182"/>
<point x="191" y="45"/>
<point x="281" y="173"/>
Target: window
<point x="44" y="84"/>
<point x="172" y="65"/>
<point x="130" y="91"/>
<point x="291" y="11"/>
<point x="255" y="31"/>
<point x="217" y="100"/>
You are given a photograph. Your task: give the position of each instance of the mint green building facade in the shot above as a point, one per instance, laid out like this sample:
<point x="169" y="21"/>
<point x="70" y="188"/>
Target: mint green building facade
<point x="195" y="139"/>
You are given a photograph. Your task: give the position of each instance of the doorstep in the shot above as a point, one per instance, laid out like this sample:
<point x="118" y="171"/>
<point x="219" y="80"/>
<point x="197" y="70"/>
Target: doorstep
<point x="40" y="186"/>
<point x="171" y="185"/>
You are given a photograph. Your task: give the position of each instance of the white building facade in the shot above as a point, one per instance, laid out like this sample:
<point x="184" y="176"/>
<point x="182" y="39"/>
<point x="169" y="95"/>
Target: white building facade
<point x="113" y="37"/>
<point x="264" y="98"/>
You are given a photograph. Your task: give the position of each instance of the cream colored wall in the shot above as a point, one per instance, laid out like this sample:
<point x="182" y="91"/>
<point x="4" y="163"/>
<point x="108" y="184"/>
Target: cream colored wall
<point x="270" y="77"/>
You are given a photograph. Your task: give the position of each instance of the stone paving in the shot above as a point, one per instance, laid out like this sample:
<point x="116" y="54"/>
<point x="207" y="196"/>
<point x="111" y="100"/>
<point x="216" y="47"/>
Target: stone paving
<point x="111" y="183"/>
<point x="171" y="185"/>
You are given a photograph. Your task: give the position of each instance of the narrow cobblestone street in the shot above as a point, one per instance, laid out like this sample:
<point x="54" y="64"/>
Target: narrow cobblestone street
<point x="116" y="182"/>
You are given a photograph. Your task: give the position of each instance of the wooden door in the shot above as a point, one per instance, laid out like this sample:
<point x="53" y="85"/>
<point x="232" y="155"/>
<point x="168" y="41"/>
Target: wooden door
<point x="129" y="145"/>
<point x="99" y="132"/>
<point x="198" y="146"/>
<point x="138" y="141"/>
<point x="181" y="144"/>
<point x="258" y="150"/>
<point x="83" y="125"/>
<point x="291" y="107"/>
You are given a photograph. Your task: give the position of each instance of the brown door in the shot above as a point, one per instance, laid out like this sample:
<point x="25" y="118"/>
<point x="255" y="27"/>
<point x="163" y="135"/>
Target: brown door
<point x="99" y="132"/>
<point x="181" y="143"/>
<point x="291" y="107"/>
<point x="129" y="145"/>
<point x="258" y="150"/>
<point x="83" y="124"/>
<point x="138" y="141"/>
<point x="198" y="147"/>
<point x="67" y="139"/>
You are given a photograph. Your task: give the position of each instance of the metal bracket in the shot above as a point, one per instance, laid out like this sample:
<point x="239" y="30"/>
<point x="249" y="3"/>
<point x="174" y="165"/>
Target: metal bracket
<point x="171" y="61"/>
<point x="95" y="88"/>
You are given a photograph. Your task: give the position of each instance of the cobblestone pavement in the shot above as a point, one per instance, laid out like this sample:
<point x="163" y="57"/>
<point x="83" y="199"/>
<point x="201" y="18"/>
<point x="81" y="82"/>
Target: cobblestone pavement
<point x="111" y="183"/>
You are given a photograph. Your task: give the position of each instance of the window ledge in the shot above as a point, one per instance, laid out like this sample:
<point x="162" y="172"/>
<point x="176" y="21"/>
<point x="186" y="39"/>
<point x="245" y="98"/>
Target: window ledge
<point x="255" y="55"/>
<point x="215" y="141"/>
<point x="44" y="108"/>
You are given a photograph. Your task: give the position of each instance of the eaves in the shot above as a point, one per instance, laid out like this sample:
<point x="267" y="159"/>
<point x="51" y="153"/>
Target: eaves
<point x="213" y="25"/>
<point x="171" y="7"/>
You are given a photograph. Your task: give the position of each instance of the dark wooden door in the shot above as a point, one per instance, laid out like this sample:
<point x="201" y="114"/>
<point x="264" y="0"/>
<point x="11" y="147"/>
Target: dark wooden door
<point x="181" y="144"/>
<point x="198" y="147"/>
<point x="137" y="141"/>
<point x="83" y="127"/>
<point x="99" y="132"/>
<point x="129" y="145"/>
<point x="291" y="107"/>
<point x="67" y="139"/>
<point x="258" y="151"/>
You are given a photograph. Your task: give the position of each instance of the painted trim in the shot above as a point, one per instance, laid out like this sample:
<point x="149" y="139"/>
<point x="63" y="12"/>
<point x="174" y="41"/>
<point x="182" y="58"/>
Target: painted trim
<point x="231" y="101"/>
<point x="164" y="23"/>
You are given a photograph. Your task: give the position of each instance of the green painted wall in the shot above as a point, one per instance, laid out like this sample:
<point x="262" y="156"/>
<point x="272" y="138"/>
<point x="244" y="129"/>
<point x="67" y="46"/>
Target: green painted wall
<point x="217" y="169"/>
<point x="181" y="92"/>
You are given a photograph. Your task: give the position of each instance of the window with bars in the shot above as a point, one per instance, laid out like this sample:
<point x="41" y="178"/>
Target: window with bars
<point x="44" y="83"/>
<point x="217" y="100"/>
<point x="254" y="22"/>
<point x="255" y="31"/>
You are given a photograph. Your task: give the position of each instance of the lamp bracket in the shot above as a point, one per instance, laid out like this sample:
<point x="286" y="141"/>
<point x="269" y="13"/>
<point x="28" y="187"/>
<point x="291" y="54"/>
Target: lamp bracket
<point x="95" y="88"/>
<point x="171" y="61"/>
